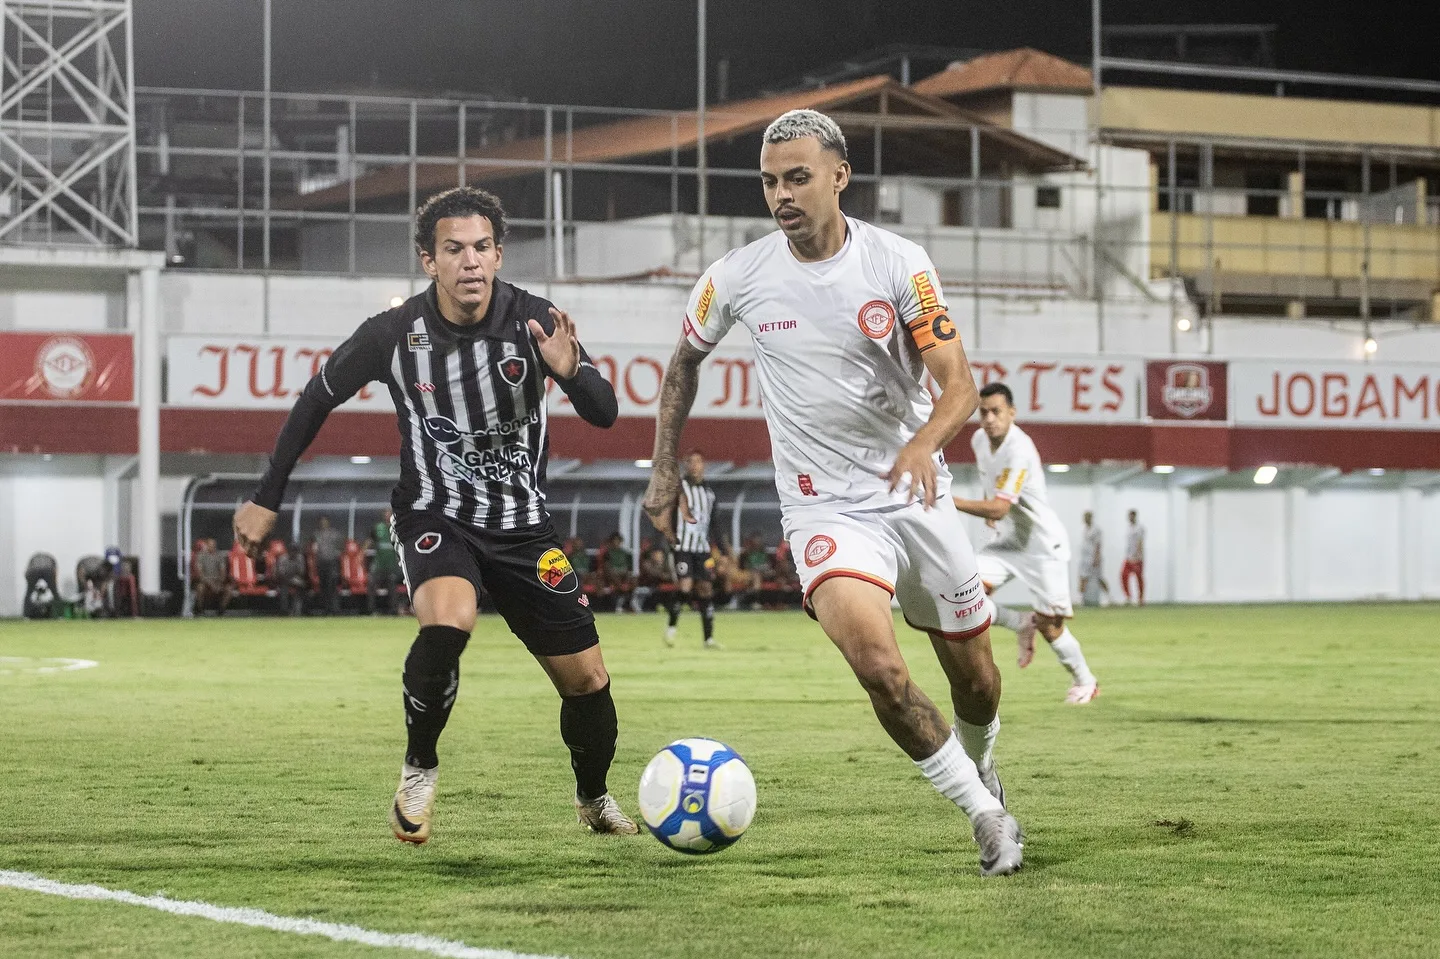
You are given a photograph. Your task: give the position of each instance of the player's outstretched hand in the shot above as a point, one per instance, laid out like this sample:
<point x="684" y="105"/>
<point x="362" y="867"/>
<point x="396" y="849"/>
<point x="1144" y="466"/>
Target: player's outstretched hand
<point x="252" y="527"/>
<point x="660" y="498"/>
<point x="919" y="463"/>
<point x="560" y="350"/>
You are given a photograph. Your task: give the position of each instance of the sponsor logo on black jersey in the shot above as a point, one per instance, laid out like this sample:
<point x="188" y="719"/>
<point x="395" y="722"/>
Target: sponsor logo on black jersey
<point x="481" y="466"/>
<point x="427" y="543"/>
<point x="418" y="342"/>
<point x="446" y="432"/>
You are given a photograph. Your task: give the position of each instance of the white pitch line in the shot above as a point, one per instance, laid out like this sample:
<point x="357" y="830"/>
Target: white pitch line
<point x="10" y="665"/>
<point x="413" y="941"/>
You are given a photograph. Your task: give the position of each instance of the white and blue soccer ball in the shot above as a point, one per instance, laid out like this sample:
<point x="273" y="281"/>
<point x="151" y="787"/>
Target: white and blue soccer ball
<point x="697" y="796"/>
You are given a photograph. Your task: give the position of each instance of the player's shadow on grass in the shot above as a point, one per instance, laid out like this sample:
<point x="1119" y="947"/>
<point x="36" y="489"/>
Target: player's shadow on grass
<point x="1248" y="721"/>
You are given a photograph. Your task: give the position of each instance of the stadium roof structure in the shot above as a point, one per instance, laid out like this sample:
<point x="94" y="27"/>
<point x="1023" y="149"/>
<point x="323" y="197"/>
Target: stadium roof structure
<point x="937" y="133"/>
<point x="1024" y="69"/>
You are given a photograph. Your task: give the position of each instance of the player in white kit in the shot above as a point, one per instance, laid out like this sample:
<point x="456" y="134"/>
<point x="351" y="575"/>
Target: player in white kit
<point x="1092" y="560"/>
<point x="846" y="319"/>
<point x="1030" y="542"/>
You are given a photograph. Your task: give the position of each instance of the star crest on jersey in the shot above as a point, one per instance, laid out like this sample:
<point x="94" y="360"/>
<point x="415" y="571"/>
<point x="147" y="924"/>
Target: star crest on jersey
<point x="512" y="370"/>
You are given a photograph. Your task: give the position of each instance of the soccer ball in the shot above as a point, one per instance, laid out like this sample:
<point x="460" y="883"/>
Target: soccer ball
<point x="697" y="796"/>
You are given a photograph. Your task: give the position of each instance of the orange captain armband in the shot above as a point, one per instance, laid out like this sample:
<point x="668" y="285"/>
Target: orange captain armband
<point x="932" y="329"/>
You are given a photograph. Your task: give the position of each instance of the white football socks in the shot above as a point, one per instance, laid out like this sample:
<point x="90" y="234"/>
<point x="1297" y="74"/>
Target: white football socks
<point x="953" y="773"/>
<point x="1067" y="650"/>
<point x="979" y="741"/>
<point x="1011" y="619"/>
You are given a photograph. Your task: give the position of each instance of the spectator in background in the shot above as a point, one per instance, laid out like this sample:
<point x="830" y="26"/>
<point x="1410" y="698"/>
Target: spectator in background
<point x="616" y="570"/>
<point x="729" y="578"/>
<point x="213" y="587"/>
<point x="655" y="572"/>
<point x="786" y="576"/>
<point x="756" y="566"/>
<point x="580" y="561"/>
<point x="384" y="568"/>
<point x="329" y="547"/>
<point x="289" y="577"/>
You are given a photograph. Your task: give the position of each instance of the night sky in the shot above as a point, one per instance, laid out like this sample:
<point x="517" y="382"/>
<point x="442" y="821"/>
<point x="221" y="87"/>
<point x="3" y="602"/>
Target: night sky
<point x="641" y="52"/>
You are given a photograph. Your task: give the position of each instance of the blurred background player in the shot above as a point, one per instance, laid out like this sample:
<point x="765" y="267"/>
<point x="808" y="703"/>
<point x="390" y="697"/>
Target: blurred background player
<point x="384" y="569"/>
<point x="824" y="294"/>
<point x="329" y="548"/>
<point x="694" y="569"/>
<point x="213" y="587"/>
<point x="617" y="576"/>
<point x="466" y="362"/>
<point x="1030" y="542"/>
<point x="1092" y="566"/>
<point x="1134" y="560"/>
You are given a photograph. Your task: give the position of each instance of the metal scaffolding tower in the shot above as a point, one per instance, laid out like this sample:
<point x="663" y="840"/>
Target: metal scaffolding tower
<point x="67" y="123"/>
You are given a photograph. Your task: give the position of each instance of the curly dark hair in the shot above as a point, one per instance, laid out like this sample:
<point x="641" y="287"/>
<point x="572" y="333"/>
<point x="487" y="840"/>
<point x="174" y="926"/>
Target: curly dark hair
<point x="461" y="201"/>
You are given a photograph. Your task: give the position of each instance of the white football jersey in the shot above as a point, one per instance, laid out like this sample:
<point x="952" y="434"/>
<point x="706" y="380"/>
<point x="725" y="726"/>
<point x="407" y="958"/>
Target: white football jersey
<point x="837" y="352"/>
<point x="1014" y="473"/>
<point x="1135" y="544"/>
<point x="1092" y="548"/>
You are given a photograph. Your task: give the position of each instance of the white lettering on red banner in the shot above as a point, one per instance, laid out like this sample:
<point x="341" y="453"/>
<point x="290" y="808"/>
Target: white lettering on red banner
<point x="1336" y="395"/>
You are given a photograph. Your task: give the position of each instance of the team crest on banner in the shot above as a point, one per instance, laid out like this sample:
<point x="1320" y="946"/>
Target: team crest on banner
<point x="512" y="370"/>
<point x="555" y="573"/>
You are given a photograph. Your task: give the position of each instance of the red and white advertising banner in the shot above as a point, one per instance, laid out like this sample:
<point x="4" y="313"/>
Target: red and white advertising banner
<point x="67" y="367"/>
<point x="1186" y="390"/>
<point x="255" y="373"/>
<point x="1067" y="389"/>
<point x="1328" y="395"/>
<point x="229" y="372"/>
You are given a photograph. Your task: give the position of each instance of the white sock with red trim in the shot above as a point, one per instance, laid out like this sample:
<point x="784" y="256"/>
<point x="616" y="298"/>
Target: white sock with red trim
<point x="953" y="773"/>
<point x="1067" y="650"/>
<point x="979" y="741"/>
<point x="1011" y="619"/>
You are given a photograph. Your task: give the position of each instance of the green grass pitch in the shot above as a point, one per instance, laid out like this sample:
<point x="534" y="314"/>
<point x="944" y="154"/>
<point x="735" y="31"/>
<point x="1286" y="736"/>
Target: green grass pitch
<point x="1254" y="781"/>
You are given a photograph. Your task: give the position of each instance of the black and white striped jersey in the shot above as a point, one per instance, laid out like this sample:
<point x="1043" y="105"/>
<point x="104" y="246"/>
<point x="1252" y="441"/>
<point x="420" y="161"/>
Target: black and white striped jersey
<point x="470" y="402"/>
<point x="694" y="537"/>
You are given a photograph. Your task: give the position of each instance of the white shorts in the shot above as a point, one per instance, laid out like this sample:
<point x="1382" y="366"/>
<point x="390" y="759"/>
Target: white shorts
<point x="1047" y="577"/>
<point x="922" y="557"/>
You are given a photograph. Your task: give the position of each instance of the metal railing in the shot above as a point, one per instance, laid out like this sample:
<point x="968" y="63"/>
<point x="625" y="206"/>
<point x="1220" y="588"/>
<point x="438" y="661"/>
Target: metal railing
<point x="330" y="187"/>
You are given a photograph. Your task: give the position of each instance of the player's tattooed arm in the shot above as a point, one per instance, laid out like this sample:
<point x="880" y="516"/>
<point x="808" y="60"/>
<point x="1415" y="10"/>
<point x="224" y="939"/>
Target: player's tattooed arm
<point x="677" y="396"/>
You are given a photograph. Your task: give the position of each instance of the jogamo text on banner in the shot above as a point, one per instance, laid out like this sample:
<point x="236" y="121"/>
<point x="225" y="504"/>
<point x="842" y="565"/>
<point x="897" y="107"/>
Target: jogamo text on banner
<point x="1328" y="395"/>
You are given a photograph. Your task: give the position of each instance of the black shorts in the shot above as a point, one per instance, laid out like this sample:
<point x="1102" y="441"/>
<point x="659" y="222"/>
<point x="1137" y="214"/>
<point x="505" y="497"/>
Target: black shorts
<point x="526" y="573"/>
<point x="698" y="566"/>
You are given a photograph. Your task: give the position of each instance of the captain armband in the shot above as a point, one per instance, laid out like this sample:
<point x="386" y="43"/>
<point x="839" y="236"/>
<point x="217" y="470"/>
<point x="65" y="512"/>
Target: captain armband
<point x="932" y="329"/>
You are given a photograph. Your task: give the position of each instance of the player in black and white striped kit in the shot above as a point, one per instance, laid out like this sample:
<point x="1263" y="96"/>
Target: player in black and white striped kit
<point x="694" y="568"/>
<point x="466" y="364"/>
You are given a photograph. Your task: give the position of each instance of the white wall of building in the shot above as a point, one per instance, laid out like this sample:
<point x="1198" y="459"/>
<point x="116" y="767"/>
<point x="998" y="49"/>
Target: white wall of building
<point x="60" y="515"/>
<point x="49" y="299"/>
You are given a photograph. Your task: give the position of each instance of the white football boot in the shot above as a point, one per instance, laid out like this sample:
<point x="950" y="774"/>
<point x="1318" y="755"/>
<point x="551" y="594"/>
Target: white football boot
<point x="414" y="804"/>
